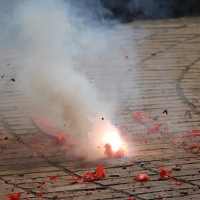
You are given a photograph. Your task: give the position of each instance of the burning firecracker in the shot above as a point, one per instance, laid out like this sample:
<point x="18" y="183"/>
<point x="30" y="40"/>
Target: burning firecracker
<point x="113" y="154"/>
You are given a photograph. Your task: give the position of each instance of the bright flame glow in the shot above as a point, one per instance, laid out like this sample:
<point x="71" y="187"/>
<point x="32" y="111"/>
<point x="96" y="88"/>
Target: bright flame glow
<point x="113" y="139"/>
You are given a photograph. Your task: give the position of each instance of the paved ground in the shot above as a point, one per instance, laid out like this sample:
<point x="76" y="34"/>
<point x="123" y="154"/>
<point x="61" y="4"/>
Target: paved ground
<point x="160" y="73"/>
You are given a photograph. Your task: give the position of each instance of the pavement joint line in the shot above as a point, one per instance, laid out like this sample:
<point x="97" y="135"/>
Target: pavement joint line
<point x="180" y="91"/>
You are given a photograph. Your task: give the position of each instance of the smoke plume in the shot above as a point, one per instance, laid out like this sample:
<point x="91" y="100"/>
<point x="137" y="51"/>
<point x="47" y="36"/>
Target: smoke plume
<point x="55" y="45"/>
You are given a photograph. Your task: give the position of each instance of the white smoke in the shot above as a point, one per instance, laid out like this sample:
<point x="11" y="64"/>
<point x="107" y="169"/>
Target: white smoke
<point x="52" y="42"/>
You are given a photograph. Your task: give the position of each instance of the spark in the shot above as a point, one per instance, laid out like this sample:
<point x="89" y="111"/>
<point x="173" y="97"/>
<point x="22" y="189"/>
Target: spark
<point x="113" y="139"/>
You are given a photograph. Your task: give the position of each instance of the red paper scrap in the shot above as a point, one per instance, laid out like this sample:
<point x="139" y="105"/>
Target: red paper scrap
<point x="41" y="196"/>
<point x="164" y="173"/>
<point x="139" y="116"/>
<point x="36" y="138"/>
<point x="141" y="177"/>
<point x="193" y="146"/>
<point x="175" y="142"/>
<point x="76" y="180"/>
<point x="52" y="178"/>
<point x="177" y="183"/>
<point x="90" y="176"/>
<point x="126" y="57"/>
<point x="42" y="185"/>
<point x="154" y="129"/>
<point x="194" y="132"/>
<point x="100" y="172"/>
<point x="59" y="139"/>
<point x="13" y="196"/>
<point x="36" y="148"/>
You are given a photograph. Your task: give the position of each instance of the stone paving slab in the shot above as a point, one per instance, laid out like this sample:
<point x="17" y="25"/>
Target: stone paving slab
<point x="162" y="72"/>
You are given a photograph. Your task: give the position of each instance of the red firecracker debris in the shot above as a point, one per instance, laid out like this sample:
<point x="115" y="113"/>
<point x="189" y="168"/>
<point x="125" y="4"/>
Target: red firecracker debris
<point x="131" y="198"/>
<point x="164" y="173"/>
<point x="41" y="196"/>
<point x="195" y="101"/>
<point x="139" y="116"/>
<point x="193" y="146"/>
<point x="154" y="129"/>
<point x="177" y="183"/>
<point x="13" y="196"/>
<point x="41" y="186"/>
<point x="166" y="128"/>
<point x="127" y="57"/>
<point x="194" y="132"/>
<point x="59" y="139"/>
<point x="100" y="172"/>
<point x="36" y="138"/>
<point x="165" y="111"/>
<point x="90" y="176"/>
<point x="89" y="193"/>
<point x="175" y="142"/>
<point x="76" y="180"/>
<point x="36" y="148"/>
<point x="113" y="154"/>
<point x="141" y="177"/>
<point x="53" y="178"/>
<point x="48" y="126"/>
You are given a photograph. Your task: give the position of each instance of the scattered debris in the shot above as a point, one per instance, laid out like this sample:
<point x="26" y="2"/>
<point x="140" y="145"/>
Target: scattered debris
<point x="175" y="142"/>
<point x="89" y="193"/>
<point x="90" y="176"/>
<point x="13" y="196"/>
<point x="59" y="139"/>
<point x="53" y="178"/>
<point x="141" y="177"/>
<point x="165" y="111"/>
<point x="194" y="132"/>
<point x="177" y="183"/>
<point x="114" y="175"/>
<point x="184" y="193"/>
<point x="193" y="146"/>
<point x="36" y="138"/>
<point x="139" y="116"/>
<point x="195" y="101"/>
<point x="41" y="196"/>
<point x="12" y="79"/>
<point x="154" y="129"/>
<point x="164" y="173"/>
<point x="41" y="185"/>
<point x="21" y="175"/>
<point x="142" y="164"/>
<point x="176" y="169"/>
